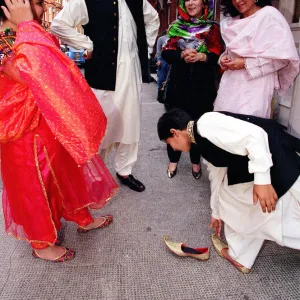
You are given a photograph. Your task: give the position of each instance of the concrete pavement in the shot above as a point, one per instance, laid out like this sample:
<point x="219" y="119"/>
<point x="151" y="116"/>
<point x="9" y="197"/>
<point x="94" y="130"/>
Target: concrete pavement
<point x="129" y="261"/>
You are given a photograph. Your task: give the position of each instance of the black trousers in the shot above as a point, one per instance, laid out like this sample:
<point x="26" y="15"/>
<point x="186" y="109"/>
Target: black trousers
<point x="174" y="156"/>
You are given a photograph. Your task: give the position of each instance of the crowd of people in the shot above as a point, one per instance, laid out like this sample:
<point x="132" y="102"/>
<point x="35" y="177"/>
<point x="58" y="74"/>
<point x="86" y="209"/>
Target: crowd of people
<point x="57" y="126"/>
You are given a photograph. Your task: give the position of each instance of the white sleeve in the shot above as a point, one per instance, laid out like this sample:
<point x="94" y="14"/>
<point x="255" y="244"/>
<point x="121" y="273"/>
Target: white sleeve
<point x="241" y="138"/>
<point x="152" y="23"/>
<point x="64" y="25"/>
<point x="216" y="177"/>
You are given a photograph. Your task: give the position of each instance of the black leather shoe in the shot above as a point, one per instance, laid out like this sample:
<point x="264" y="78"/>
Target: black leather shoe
<point x="197" y="175"/>
<point x="132" y="183"/>
<point x="171" y="174"/>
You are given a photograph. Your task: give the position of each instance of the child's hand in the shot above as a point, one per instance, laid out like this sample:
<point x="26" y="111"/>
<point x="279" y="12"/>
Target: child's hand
<point x="87" y="54"/>
<point x="217" y="225"/>
<point x="266" y="195"/>
<point x="17" y="11"/>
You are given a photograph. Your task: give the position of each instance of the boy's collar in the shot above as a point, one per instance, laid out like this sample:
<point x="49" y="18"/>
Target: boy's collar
<point x="190" y="131"/>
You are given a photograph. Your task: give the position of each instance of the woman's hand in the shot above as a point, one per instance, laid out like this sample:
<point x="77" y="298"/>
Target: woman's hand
<point x="217" y="225"/>
<point x="224" y="60"/>
<point x="192" y="56"/>
<point x="17" y="11"/>
<point x="234" y="64"/>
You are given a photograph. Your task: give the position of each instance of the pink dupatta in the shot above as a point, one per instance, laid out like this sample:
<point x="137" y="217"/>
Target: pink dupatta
<point x="265" y="34"/>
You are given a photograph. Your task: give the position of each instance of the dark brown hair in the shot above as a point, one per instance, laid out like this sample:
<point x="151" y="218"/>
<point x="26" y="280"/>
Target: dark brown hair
<point x="228" y="8"/>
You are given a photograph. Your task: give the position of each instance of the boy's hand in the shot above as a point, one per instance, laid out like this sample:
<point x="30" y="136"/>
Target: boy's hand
<point x="217" y="225"/>
<point x="17" y="11"/>
<point x="266" y="195"/>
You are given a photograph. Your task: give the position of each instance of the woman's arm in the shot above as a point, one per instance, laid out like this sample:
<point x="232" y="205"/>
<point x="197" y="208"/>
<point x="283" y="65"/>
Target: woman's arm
<point x="212" y="59"/>
<point x="258" y="67"/>
<point x="171" y="56"/>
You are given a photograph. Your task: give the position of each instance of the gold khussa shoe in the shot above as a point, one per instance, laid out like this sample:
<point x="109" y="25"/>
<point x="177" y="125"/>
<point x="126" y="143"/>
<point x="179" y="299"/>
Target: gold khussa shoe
<point x="182" y="250"/>
<point x="220" y="246"/>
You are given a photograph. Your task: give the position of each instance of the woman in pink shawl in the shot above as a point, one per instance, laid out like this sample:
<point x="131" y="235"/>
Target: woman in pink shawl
<point x="51" y="128"/>
<point x="260" y="57"/>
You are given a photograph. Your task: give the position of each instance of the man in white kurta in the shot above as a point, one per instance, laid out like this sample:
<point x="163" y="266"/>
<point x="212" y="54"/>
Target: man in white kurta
<point x="123" y="105"/>
<point x="247" y="224"/>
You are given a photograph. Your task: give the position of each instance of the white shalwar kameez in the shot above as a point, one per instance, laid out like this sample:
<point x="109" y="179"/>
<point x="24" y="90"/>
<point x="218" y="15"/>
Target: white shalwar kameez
<point x="122" y="107"/>
<point x="246" y="226"/>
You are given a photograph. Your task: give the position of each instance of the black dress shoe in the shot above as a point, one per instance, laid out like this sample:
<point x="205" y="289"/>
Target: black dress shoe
<point x="132" y="183"/>
<point x="171" y="174"/>
<point x="197" y="175"/>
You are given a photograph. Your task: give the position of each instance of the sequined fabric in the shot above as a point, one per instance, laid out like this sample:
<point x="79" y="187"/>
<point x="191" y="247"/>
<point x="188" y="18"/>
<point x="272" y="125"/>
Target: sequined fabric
<point x="49" y="83"/>
<point x="43" y="183"/>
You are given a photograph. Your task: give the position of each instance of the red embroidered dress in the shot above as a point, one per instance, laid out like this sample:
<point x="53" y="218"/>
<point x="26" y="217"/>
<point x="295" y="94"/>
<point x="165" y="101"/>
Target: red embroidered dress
<point x="51" y="128"/>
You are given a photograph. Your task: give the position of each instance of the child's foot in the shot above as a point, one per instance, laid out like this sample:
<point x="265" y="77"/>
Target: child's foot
<point x="54" y="253"/>
<point x="99" y="222"/>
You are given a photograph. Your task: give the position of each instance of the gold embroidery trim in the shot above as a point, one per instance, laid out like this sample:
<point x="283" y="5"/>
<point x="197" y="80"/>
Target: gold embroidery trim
<point x="190" y="131"/>
<point x="54" y="177"/>
<point x="41" y="181"/>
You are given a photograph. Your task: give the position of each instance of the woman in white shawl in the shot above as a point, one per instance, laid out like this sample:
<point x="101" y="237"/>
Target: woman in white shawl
<point x="260" y="57"/>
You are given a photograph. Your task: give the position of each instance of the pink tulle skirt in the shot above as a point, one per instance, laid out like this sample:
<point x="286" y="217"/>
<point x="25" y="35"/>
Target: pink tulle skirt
<point x="42" y="184"/>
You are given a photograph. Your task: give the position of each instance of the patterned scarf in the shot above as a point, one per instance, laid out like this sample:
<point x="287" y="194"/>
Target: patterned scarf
<point x="202" y="33"/>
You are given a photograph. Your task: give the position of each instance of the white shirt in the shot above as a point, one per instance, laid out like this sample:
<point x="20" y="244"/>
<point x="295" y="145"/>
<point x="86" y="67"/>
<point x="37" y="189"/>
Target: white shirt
<point x="122" y="106"/>
<point x="237" y="137"/>
<point x="75" y="13"/>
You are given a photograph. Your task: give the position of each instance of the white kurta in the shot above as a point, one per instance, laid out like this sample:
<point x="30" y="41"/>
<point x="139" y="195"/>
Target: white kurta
<point x="122" y="106"/>
<point x="246" y="226"/>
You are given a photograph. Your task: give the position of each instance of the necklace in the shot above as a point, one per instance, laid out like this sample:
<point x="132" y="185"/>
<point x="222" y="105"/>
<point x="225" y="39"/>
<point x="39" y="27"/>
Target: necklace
<point x="190" y="131"/>
<point x="7" y="39"/>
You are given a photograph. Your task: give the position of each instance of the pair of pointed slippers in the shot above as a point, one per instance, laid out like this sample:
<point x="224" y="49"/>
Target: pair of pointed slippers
<point x="183" y="250"/>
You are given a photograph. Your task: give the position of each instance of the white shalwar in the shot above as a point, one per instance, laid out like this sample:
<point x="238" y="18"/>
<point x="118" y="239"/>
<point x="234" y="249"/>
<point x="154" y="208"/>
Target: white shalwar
<point x="246" y="226"/>
<point x="122" y="107"/>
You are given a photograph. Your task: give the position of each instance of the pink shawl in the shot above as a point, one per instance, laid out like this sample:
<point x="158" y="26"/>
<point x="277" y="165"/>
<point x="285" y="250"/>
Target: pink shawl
<point x="265" y="34"/>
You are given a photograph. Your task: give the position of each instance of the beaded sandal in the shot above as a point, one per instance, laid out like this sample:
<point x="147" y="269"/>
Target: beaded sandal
<point x="68" y="255"/>
<point x="107" y="222"/>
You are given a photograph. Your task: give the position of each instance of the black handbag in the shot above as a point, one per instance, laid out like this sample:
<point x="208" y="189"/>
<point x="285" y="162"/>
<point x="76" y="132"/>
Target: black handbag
<point x="162" y="93"/>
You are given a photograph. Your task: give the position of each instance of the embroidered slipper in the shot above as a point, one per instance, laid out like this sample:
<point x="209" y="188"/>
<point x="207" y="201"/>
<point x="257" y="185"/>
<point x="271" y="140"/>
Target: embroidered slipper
<point x="183" y="250"/>
<point x="220" y="246"/>
<point x="68" y="255"/>
<point x="107" y="222"/>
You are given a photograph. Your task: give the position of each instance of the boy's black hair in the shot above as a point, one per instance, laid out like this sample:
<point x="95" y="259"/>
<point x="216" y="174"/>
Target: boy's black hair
<point x="173" y="119"/>
<point x="228" y="8"/>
